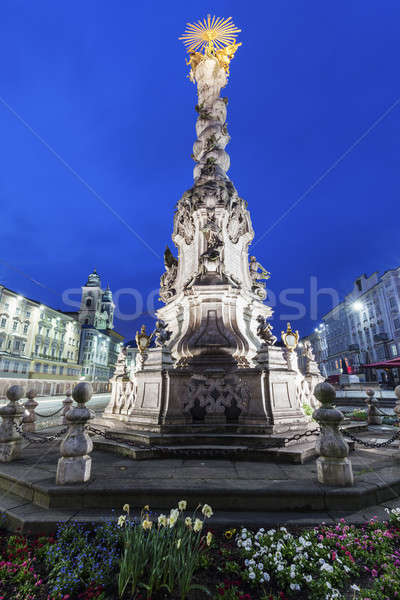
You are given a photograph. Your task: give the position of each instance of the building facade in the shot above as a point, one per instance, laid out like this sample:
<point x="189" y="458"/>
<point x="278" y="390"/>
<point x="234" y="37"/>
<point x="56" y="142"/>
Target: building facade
<point x="54" y="349"/>
<point x="364" y="328"/>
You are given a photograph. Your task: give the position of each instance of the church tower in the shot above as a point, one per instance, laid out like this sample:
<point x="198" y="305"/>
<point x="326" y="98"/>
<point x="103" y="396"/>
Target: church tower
<point x="91" y="301"/>
<point x="105" y="317"/>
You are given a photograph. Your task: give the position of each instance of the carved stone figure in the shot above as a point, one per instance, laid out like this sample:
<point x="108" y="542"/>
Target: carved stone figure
<point x="212" y="233"/>
<point x="167" y="281"/>
<point x="308" y="351"/>
<point x="237" y="224"/>
<point x="184" y="221"/>
<point x="161" y="332"/>
<point x="257" y="271"/>
<point x="264" y="331"/>
<point x="120" y="367"/>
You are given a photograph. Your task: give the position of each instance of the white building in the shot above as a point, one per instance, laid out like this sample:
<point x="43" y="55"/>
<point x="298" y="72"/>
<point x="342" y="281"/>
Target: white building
<point x="38" y="343"/>
<point x="49" y="351"/>
<point x="364" y="328"/>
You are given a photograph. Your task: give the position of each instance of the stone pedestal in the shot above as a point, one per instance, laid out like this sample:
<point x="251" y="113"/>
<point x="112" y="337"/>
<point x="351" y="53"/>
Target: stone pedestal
<point x="333" y="466"/>
<point x="29" y="418"/>
<point x="74" y="466"/>
<point x="11" y="414"/>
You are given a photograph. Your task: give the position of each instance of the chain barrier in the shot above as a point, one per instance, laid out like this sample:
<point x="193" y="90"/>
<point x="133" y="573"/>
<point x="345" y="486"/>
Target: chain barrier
<point x="50" y="414"/>
<point x="279" y="444"/>
<point x="385" y="444"/>
<point x="39" y="439"/>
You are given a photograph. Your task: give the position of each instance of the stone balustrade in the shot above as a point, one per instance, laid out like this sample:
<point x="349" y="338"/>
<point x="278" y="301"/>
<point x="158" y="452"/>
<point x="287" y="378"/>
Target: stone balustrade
<point x="333" y="465"/>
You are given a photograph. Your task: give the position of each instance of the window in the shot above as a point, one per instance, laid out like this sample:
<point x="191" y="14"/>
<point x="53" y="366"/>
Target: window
<point x="26" y="327"/>
<point x="37" y="367"/>
<point x="392" y="302"/>
<point x="3" y="322"/>
<point x="396" y="323"/>
<point x="27" y="314"/>
<point x="89" y="302"/>
<point x="54" y="369"/>
<point x="24" y="368"/>
<point x="37" y="348"/>
<point x="393" y="349"/>
<point x="15" y="325"/>
<point x="6" y="366"/>
<point x="61" y="370"/>
<point x="17" y="345"/>
<point x="45" y="368"/>
<point x="15" y="369"/>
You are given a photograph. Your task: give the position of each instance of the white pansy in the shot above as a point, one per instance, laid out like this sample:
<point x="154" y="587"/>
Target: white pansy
<point x="252" y="575"/>
<point x="355" y="587"/>
<point x="326" y="567"/>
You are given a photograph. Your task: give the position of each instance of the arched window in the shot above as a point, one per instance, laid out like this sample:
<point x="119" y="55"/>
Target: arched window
<point x="89" y="302"/>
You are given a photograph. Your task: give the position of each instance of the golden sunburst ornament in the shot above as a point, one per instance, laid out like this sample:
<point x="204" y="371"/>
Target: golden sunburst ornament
<point x="209" y="34"/>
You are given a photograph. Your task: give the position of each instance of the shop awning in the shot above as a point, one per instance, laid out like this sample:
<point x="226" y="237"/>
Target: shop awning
<point x="394" y="363"/>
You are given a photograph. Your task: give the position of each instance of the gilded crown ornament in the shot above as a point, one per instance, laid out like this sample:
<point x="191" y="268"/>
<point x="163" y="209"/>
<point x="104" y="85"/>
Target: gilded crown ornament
<point x="290" y="338"/>
<point x="212" y="37"/>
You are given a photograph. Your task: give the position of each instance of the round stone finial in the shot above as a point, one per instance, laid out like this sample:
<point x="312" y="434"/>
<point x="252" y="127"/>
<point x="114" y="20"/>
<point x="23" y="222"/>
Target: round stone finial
<point x="31" y="394"/>
<point x="325" y="393"/>
<point x="68" y="393"/>
<point x="82" y="392"/>
<point x="15" y="393"/>
<point x="397" y="392"/>
<point x="370" y="392"/>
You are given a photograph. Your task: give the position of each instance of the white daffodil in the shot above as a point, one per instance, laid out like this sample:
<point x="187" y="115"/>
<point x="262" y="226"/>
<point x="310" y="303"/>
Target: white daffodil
<point x="207" y="511"/>
<point x="198" y="525"/>
<point x="182" y="504"/>
<point x="121" y="520"/>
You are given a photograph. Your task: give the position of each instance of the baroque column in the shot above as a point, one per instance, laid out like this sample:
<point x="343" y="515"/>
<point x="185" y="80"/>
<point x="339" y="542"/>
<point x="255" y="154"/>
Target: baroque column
<point x="212" y="295"/>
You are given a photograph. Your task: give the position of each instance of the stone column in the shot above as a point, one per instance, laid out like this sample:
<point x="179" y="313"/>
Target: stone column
<point x="372" y="402"/>
<point x="11" y="413"/>
<point x="29" y="418"/>
<point x="67" y="402"/>
<point x="333" y="465"/>
<point x="75" y="464"/>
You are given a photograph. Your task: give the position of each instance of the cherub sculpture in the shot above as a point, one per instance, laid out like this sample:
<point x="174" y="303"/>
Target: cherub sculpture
<point x="264" y="331"/>
<point x="168" y="278"/>
<point x="226" y="54"/>
<point x="161" y="333"/>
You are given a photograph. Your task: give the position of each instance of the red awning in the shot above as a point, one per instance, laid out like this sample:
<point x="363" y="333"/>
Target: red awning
<point x="394" y="363"/>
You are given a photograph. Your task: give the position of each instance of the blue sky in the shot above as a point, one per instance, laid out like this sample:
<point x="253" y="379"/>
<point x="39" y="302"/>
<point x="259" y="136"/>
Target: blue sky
<point x="104" y="85"/>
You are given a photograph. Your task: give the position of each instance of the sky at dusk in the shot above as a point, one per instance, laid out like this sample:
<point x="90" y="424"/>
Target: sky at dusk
<point x="97" y="125"/>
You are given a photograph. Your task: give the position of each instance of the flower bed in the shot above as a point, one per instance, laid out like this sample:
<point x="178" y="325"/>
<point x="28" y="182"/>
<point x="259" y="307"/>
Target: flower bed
<point x="176" y="556"/>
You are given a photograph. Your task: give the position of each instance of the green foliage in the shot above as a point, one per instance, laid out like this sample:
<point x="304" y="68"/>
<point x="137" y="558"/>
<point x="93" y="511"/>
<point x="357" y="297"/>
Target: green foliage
<point x="359" y="414"/>
<point x="162" y="555"/>
<point x="308" y="410"/>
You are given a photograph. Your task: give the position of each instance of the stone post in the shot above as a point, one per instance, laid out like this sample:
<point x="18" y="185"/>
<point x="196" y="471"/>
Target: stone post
<point x="372" y="403"/>
<point x="11" y="413"/>
<point x="67" y="405"/>
<point x="29" y="418"/>
<point x="333" y="465"/>
<point x="75" y="464"/>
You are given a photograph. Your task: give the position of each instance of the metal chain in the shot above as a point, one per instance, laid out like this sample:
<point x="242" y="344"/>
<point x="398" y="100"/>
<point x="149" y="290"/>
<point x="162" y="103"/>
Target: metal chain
<point x="39" y="439"/>
<point x="371" y="444"/>
<point x="280" y="444"/>
<point x="49" y="415"/>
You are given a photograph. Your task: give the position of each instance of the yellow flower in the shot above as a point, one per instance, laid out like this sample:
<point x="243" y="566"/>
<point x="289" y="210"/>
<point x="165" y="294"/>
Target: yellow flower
<point x="209" y="538"/>
<point x="178" y="543"/>
<point x="162" y="521"/>
<point x="173" y="517"/>
<point x="121" y="520"/>
<point x="147" y="524"/>
<point x="188" y="522"/>
<point x="125" y="508"/>
<point x="198" y="525"/>
<point x="182" y="505"/>
<point x="207" y="511"/>
<point x="146" y="508"/>
<point x="230" y="533"/>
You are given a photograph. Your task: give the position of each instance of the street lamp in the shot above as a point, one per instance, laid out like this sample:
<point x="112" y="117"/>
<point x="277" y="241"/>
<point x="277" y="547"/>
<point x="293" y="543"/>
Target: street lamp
<point x="357" y="306"/>
<point x="290" y="338"/>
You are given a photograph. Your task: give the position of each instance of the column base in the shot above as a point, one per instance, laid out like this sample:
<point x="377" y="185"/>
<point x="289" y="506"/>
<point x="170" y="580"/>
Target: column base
<point x="73" y="469"/>
<point x="10" y="451"/>
<point x="337" y="472"/>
